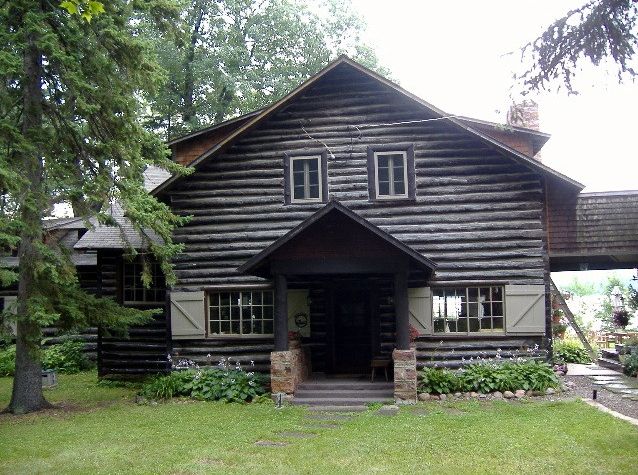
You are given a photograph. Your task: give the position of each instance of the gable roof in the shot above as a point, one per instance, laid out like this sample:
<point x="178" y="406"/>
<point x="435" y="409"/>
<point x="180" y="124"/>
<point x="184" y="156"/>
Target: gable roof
<point x="335" y="206"/>
<point x="345" y="61"/>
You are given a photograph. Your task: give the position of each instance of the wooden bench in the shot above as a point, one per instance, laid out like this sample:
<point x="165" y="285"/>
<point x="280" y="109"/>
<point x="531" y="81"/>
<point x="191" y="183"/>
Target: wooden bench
<point x="380" y="362"/>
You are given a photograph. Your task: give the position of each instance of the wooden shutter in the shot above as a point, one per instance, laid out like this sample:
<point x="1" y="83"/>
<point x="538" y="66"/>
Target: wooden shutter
<point x="298" y="303"/>
<point x="420" y="305"/>
<point x="10" y="305"/>
<point x="525" y="309"/>
<point x="188" y="315"/>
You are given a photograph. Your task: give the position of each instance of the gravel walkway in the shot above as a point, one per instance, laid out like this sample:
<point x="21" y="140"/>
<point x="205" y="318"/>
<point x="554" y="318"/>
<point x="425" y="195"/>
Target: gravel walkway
<point x="582" y="386"/>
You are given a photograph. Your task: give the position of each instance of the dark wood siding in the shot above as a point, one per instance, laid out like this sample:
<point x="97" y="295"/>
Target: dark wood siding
<point x="599" y="230"/>
<point x="144" y="350"/>
<point x="477" y="214"/>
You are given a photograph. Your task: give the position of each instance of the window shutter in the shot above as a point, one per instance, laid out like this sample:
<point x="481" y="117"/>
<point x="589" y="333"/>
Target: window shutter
<point x="188" y="315"/>
<point x="10" y="305"/>
<point x="298" y="304"/>
<point x="420" y="305"/>
<point x="287" y="184"/>
<point x="525" y="309"/>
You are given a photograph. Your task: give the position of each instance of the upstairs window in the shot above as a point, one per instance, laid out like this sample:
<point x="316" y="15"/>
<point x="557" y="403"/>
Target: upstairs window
<point x="391" y="173"/>
<point x="305" y="173"/>
<point x="306" y="179"/>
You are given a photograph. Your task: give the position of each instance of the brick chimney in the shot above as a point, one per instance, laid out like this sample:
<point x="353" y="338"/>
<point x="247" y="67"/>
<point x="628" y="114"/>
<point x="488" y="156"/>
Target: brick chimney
<point x="524" y="114"/>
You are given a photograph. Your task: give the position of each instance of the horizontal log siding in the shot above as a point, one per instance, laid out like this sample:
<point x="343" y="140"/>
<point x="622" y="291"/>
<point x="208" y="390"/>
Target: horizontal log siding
<point x="477" y="214"/>
<point x="145" y="349"/>
<point x="592" y="223"/>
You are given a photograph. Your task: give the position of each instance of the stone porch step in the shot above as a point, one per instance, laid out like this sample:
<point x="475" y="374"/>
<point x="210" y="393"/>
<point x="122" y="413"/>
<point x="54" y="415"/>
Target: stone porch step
<point x="338" y="402"/>
<point x="344" y="393"/>
<point x="345" y="385"/>
<point x="333" y="409"/>
<point x="610" y="364"/>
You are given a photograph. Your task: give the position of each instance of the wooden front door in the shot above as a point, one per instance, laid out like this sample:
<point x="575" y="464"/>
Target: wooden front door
<point x="352" y="330"/>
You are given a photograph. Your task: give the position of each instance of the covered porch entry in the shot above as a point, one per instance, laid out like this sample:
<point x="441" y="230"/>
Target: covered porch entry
<point x="355" y="277"/>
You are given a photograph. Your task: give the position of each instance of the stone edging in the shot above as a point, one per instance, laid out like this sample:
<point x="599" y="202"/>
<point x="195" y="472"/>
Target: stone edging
<point x="602" y="408"/>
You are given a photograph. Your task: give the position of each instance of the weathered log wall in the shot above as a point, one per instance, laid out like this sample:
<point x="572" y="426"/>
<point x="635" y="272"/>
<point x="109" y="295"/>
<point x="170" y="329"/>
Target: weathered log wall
<point x="476" y="213"/>
<point x="145" y="348"/>
<point x="599" y="230"/>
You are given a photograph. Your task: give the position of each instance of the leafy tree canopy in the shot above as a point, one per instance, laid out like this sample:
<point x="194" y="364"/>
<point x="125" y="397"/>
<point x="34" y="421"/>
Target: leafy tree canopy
<point x="69" y="132"/>
<point x="234" y="56"/>
<point x="599" y="30"/>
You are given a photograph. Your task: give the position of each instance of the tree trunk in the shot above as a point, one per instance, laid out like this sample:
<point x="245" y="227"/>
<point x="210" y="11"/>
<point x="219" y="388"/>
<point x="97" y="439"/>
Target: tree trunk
<point x="27" y="393"/>
<point x="188" y="112"/>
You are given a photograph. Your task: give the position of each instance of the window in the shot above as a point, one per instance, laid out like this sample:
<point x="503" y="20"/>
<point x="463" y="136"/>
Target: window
<point x="306" y="179"/>
<point x="247" y="312"/>
<point x="468" y="310"/>
<point x="134" y="290"/>
<point x="391" y="173"/>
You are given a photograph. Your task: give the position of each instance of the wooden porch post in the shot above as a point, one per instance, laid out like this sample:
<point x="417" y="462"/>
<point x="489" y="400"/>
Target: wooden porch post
<point x="281" y="313"/>
<point x="401" y="311"/>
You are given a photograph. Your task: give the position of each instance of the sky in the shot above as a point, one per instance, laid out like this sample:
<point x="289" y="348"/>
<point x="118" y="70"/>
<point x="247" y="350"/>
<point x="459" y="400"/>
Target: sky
<point x="460" y="56"/>
<point x="455" y="55"/>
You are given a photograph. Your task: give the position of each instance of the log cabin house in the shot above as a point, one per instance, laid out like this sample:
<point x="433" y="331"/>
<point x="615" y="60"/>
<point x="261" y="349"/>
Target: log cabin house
<point x="363" y="219"/>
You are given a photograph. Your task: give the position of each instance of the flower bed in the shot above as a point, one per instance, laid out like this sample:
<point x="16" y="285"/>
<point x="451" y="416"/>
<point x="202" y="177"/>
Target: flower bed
<point x="507" y="379"/>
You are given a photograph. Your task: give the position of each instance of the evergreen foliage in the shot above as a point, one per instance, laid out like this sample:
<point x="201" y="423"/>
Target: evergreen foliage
<point x="69" y="102"/>
<point x="599" y="30"/>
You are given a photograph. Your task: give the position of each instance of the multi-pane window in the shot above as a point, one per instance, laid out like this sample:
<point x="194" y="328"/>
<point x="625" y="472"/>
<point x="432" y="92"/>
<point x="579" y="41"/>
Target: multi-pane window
<point x="247" y="312"/>
<point x="391" y="171"/>
<point x="305" y="178"/>
<point x="134" y="290"/>
<point x="468" y="309"/>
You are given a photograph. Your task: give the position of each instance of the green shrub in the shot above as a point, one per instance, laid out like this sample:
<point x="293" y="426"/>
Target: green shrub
<point x="486" y="377"/>
<point x="438" y="381"/>
<point x="209" y="384"/>
<point x="8" y="361"/>
<point x="530" y="374"/>
<point x="483" y="378"/>
<point x="570" y="352"/>
<point x="630" y="364"/>
<point x="67" y="357"/>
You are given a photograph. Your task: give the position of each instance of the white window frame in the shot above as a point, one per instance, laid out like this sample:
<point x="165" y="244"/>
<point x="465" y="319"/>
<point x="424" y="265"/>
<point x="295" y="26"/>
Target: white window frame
<point x="240" y="306"/>
<point x="291" y="179"/>
<point x="467" y="304"/>
<point x="392" y="195"/>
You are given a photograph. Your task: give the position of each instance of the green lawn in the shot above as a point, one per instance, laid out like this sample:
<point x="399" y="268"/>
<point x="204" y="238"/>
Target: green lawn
<point x="101" y="430"/>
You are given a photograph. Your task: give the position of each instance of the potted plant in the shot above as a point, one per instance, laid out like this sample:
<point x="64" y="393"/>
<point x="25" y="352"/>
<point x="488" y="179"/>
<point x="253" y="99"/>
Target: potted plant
<point x="621" y="318"/>
<point x="558" y="330"/>
<point x="414" y="334"/>
<point x="294" y="340"/>
<point x="557" y="314"/>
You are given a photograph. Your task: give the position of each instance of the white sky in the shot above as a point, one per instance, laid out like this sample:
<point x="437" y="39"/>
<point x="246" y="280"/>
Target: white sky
<point x="453" y="54"/>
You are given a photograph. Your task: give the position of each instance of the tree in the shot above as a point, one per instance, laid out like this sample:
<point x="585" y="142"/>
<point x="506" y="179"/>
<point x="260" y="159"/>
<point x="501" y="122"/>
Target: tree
<point x="606" y="310"/>
<point x="69" y="133"/>
<point x="235" y="56"/>
<point x="597" y="31"/>
<point x="580" y="288"/>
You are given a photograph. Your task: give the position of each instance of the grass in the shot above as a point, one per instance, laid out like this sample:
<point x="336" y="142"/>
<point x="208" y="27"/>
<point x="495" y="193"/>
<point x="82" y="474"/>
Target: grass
<point x="101" y="430"/>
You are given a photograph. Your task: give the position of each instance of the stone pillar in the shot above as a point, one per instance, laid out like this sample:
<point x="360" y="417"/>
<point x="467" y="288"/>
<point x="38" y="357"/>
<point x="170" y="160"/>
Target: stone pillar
<point x="288" y="369"/>
<point x="404" y="376"/>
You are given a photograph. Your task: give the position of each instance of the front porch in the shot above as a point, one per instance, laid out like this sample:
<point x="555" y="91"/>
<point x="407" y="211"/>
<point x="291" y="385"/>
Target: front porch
<point x="342" y="283"/>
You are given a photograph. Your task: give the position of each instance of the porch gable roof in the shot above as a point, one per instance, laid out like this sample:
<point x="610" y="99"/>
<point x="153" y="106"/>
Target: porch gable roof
<point x="255" y="264"/>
